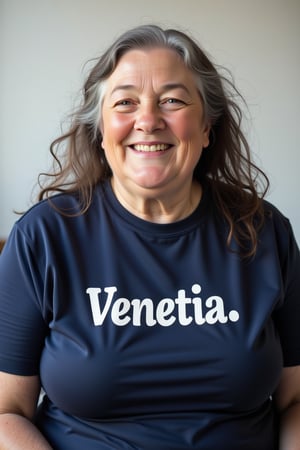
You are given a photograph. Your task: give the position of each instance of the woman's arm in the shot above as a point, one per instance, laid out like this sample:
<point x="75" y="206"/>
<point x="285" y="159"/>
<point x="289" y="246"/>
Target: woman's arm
<point x="18" y="400"/>
<point x="288" y="401"/>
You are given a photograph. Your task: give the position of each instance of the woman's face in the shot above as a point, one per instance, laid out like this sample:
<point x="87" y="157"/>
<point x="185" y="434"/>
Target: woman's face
<point x="152" y="123"/>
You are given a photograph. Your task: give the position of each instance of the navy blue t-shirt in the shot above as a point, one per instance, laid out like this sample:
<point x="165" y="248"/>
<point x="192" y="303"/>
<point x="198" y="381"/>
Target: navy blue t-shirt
<point x="149" y="336"/>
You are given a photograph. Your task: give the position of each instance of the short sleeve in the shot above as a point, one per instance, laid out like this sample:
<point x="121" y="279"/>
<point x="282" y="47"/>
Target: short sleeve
<point x="22" y="326"/>
<point x="287" y="316"/>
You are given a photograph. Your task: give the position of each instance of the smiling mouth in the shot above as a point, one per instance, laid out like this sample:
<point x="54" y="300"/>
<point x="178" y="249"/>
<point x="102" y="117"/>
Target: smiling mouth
<point x="151" y="148"/>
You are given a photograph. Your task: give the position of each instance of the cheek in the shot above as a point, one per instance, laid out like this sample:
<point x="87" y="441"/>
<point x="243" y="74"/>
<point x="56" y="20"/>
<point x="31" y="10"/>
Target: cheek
<point x="186" y="127"/>
<point x="115" y="128"/>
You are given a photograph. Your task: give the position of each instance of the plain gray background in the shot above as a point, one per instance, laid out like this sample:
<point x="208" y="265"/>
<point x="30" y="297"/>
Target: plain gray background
<point x="44" y="45"/>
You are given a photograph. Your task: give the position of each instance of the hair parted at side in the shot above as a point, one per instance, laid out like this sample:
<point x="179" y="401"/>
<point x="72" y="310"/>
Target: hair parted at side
<point x="237" y="184"/>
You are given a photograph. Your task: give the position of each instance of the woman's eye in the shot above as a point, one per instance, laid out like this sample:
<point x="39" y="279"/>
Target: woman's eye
<point x="172" y="102"/>
<point x="125" y="105"/>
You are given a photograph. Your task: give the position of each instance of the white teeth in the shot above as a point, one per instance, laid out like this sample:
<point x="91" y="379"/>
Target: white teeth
<point x="150" y="148"/>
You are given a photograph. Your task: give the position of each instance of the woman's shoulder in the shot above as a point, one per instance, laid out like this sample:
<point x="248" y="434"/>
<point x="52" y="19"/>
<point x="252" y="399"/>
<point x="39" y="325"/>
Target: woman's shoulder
<point x="275" y="217"/>
<point x="278" y="228"/>
<point x="52" y="207"/>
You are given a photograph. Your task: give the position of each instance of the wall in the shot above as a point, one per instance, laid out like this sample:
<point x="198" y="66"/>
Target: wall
<point x="45" y="43"/>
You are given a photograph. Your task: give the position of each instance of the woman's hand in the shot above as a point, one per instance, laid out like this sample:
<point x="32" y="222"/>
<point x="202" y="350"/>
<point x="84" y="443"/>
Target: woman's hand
<point x="288" y="401"/>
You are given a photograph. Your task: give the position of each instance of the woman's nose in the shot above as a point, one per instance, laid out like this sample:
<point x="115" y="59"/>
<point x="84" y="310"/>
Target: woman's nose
<point x="149" y="119"/>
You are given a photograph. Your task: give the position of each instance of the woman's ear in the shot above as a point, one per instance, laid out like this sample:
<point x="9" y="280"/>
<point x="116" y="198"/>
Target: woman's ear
<point x="101" y="129"/>
<point x="206" y="134"/>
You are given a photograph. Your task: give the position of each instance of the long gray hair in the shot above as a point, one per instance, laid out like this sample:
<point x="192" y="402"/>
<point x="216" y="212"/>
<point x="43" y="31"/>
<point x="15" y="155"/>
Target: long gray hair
<point x="225" y="165"/>
<point x="150" y="36"/>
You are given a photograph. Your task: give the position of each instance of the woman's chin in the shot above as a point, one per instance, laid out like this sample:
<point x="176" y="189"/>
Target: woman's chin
<point x="150" y="178"/>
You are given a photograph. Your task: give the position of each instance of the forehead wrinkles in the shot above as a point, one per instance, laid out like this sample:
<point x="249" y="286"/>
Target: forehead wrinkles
<point x="141" y="70"/>
<point x="134" y="78"/>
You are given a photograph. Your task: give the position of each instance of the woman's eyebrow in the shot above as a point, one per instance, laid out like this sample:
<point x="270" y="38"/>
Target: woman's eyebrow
<point x="122" y="87"/>
<point x="165" y="87"/>
<point x="171" y="86"/>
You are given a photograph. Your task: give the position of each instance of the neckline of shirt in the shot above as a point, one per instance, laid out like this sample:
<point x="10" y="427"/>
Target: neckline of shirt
<point x="163" y="229"/>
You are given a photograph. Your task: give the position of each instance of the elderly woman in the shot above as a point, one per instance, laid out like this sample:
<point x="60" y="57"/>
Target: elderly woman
<point x="155" y="296"/>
